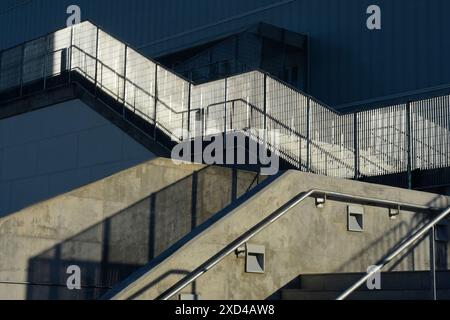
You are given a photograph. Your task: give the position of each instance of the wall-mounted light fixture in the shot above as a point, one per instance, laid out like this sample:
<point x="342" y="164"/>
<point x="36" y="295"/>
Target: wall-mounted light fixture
<point x="255" y="261"/>
<point x="355" y="219"/>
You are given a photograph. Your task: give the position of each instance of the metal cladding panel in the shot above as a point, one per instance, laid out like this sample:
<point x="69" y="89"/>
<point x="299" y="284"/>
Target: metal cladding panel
<point x="348" y="62"/>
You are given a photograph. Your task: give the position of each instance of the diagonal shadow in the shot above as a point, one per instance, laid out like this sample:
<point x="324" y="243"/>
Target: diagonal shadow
<point x="110" y="251"/>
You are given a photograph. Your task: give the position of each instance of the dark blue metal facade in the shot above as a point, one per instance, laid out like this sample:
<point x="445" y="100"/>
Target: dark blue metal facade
<point x="348" y="62"/>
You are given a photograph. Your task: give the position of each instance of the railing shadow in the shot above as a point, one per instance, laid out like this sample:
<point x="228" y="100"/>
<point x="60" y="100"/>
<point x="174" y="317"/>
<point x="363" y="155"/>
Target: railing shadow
<point x="393" y="239"/>
<point x="110" y="251"/>
<point x="415" y="258"/>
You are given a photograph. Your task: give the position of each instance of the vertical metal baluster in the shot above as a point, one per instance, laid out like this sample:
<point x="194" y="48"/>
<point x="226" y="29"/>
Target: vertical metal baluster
<point x="96" y="62"/>
<point x="428" y="126"/>
<point x="265" y="111"/>
<point x="441" y="135"/>
<point x="124" y="82"/>
<point x="408" y="146"/>
<point x="206" y="119"/>
<point x="356" y="145"/>
<point x="434" y="137"/>
<point x="232" y="116"/>
<point x="134" y="99"/>
<point x="308" y="135"/>
<point x="155" y="103"/>
<point x="70" y="54"/>
<point x="182" y="125"/>
<point x="413" y="138"/>
<point x="423" y="141"/>
<point x="433" y="263"/>
<point x="189" y="112"/>
<point x="203" y="117"/>
<point x="225" y="121"/>
<point x="299" y="130"/>
<point x="447" y="136"/>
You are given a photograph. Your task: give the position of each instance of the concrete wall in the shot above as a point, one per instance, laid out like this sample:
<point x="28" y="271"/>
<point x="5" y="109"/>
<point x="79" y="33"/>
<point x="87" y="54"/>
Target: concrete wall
<point x="111" y="227"/>
<point x="306" y="240"/>
<point x="54" y="150"/>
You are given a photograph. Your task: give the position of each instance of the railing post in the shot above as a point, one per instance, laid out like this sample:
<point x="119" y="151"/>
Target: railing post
<point x="308" y="135"/>
<point x="433" y="263"/>
<point x="265" y="109"/>
<point x="232" y="117"/>
<point x="134" y="100"/>
<point x="356" y="145"/>
<point x="124" y="81"/>
<point x="204" y="117"/>
<point x="191" y="135"/>
<point x="409" y="144"/>
<point x="225" y="122"/>
<point x="96" y="62"/>
<point x="155" y="102"/>
<point x="189" y="113"/>
<point x="182" y="125"/>
<point x="70" y="54"/>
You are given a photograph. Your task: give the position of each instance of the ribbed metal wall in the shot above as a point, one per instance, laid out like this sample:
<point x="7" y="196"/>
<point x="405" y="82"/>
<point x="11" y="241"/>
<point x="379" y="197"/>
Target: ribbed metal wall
<point x="348" y="62"/>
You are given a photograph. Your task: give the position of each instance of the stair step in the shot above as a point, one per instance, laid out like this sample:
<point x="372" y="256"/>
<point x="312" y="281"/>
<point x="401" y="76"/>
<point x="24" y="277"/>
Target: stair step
<point x="299" y="294"/>
<point x="389" y="281"/>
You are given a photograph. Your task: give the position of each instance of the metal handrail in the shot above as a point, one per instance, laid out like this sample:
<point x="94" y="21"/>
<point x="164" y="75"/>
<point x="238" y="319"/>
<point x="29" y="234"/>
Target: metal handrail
<point x="377" y="268"/>
<point x="222" y="103"/>
<point x="277" y="214"/>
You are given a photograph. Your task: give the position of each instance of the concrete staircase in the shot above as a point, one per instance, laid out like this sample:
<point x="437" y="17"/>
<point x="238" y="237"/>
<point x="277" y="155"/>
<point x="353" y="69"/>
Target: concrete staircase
<point x="307" y="240"/>
<point x="155" y="104"/>
<point x="111" y="228"/>
<point x="395" y="286"/>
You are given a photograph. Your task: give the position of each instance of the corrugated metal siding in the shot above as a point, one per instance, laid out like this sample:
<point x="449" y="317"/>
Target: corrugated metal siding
<point x="348" y="62"/>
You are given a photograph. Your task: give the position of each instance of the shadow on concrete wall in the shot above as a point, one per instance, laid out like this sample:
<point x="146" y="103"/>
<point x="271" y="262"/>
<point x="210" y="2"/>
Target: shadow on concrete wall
<point x="384" y="244"/>
<point x="412" y="259"/>
<point x="115" y="248"/>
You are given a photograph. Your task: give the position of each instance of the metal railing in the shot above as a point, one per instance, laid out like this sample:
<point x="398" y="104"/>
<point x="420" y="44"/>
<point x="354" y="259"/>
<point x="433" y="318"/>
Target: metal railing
<point x="311" y="136"/>
<point x="248" y="235"/>
<point x="428" y="228"/>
